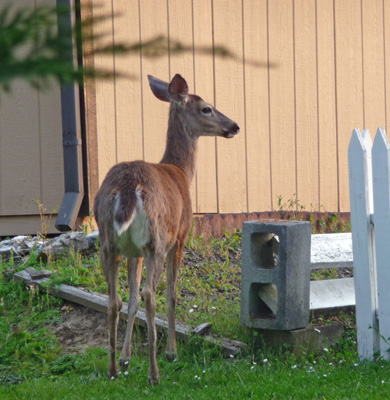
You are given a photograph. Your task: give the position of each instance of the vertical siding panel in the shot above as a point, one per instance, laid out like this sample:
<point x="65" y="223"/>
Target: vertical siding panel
<point x="51" y="151"/>
<point x="128" y="89"/>
<point x="373" y="60"/>
<point x="328" y="195"/>
<point x="349" y="83"/>
<point x="257" y="106"/>
<point x="282" y="115"/>
<point x="105" y="94"/>
<point x="180" y="30"/>
<point x="154" y="23"/>
<point x="52" y="163"/>
<point x="306" y="103"/>
<point x="206" y="176"/>
<point x="230" y="101"/>
<point x="20" y="181"/>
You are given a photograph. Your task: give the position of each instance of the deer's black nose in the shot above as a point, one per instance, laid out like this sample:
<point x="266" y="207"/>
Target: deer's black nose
<point x="236" y="128"/>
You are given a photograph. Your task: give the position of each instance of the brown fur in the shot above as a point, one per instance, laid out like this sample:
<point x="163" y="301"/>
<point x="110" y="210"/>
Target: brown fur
<point x="159" y="193"/>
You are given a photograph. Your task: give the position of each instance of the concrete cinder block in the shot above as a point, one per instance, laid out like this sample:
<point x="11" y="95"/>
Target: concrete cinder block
<point x="275" y="281"/>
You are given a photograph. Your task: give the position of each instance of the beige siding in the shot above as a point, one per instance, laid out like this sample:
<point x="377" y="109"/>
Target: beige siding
<point x="303" y="74"/>
<point x="255" y="22"/>
<point x="282" y="105"/>
<point x="31" y="159"/>
<point x="206" y="177"/>
<point x="326" y="108"/>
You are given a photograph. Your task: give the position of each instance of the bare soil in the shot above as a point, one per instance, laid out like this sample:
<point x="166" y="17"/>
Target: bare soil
<point x="82" y="328"/>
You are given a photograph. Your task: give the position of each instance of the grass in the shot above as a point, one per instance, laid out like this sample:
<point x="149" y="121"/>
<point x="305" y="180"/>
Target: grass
<point x="33" y="364"/>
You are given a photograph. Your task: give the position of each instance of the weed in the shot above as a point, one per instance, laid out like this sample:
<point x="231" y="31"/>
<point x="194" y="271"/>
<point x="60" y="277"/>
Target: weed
<point x="88" y="226"/>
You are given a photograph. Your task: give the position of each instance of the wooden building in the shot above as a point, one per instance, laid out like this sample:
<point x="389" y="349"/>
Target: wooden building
<point x="300" y="75"/>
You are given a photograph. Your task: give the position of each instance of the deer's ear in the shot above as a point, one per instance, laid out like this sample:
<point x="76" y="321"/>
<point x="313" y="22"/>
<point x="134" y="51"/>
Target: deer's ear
<point x="178" y="89"/>
<point x="159" y="88"/>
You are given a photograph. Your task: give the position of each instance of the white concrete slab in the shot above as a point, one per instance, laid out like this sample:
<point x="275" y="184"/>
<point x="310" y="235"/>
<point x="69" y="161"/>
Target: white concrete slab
<point x="332" y="293"/>
<point x="331" y="250"/>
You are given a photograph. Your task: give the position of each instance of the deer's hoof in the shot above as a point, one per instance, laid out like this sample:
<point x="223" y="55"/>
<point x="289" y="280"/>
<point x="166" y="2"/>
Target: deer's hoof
<point x="124" y="363"/>
<point x="113" y="372"/>
<point x="171" y="356"/>
<point x="153" y="381"/>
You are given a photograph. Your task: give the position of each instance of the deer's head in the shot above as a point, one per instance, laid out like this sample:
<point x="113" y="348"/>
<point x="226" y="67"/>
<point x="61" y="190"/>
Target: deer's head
<point x="198" y="116"/>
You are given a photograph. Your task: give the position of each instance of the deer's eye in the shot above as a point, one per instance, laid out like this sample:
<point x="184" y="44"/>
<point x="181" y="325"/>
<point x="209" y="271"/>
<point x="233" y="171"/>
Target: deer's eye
<point x="207" y="111"/>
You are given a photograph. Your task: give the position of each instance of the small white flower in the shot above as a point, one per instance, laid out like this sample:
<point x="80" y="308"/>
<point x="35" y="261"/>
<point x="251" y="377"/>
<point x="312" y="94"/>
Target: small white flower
<point x="325" y="376"/>
<point x="254" y="363"/>
<point x="331" y="364"/>
<point x="196" y="376"/>
<point x="356" y="365"/>
<point x="252" y="367"/>
<point x="383" y="382"/>
<point x="120" y="372"/>
<point x="294" y="367"/>
<point x="213" y="308"/>
<point x="126" y="373"/>
<point x="194" y="306"/>
<point x="314" y="362"/>
<point x="231" y="356"/>
<point x="112" y="378"/>
<point x="265" y="360"/>
<point x="204" y="371"/>
<point x="206" y="386"/>
<point x="191" y="311"/>
<point x="126" y="362"/>
<point x="341" y="361"/>
<point x="325" y="349"/>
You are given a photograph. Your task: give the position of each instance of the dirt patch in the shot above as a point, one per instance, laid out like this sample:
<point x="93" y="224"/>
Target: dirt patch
<point x="82" y="328"/>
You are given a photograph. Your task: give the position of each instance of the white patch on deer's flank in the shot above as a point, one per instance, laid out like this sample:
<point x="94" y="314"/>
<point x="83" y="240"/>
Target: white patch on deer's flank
<point x="120" y="228"/>
<point x="133" y="234"/>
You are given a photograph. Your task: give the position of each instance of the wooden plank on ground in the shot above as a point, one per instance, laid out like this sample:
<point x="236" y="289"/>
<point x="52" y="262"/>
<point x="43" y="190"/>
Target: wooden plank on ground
<point x="99" y="302"/>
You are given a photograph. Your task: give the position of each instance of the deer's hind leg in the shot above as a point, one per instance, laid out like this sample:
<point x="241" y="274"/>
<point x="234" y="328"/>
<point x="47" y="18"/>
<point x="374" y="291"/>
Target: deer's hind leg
<point x="174" y="258"/>
<point x="109" y="263"/>
<point x="154" y="268"/>
<point x="134" y="270"/>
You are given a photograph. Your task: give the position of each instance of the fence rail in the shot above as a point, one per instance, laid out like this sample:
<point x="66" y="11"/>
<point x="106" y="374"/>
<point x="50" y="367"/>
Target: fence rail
<point x="369" y="182"/>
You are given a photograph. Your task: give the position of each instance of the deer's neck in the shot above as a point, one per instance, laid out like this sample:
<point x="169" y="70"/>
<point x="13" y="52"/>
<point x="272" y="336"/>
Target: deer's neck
<point x="181" y="145"/>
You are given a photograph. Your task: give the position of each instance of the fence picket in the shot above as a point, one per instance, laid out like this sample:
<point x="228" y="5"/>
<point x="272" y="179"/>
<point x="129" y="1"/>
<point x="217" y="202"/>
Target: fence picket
<point x="359" y="154"/>
<point x="381" y="181"/>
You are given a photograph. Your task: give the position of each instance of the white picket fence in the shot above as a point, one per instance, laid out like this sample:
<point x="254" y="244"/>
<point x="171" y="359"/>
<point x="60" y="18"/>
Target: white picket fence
<point x="369" y="184"/>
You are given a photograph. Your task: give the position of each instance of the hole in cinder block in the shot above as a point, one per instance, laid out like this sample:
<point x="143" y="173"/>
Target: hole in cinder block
<point x="263" y="301"/>
<point x="264" y="250"/>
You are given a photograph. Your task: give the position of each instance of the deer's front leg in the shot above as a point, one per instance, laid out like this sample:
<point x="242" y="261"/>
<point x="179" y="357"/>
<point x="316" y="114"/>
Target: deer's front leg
<point x="154" y="267"/>
<point x="173" y="264"/>
<point x="134" y="271"/>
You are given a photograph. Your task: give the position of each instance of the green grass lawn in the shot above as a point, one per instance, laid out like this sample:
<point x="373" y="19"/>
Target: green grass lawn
<point x="33" y="365"/>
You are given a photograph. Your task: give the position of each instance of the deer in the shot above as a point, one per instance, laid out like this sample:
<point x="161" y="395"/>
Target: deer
<point x="143" y="211"/>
